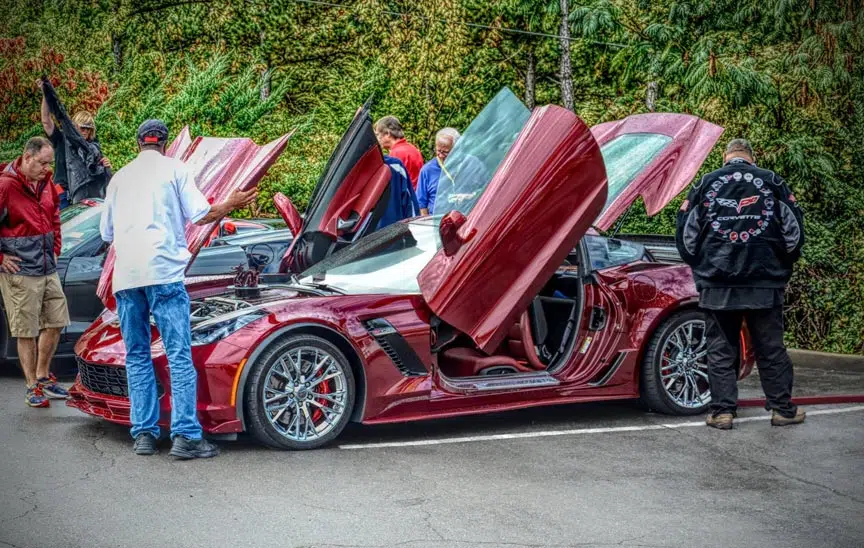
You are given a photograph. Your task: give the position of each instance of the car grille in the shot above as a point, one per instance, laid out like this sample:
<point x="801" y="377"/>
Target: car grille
<point x="104" y="379"/>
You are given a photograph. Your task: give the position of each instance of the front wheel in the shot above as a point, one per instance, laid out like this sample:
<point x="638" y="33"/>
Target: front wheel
<point x="675" y="369"/>
<point x="300" y="393"/>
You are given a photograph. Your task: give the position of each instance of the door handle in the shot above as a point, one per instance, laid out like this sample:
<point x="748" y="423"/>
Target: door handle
<point x="597" y="321"/>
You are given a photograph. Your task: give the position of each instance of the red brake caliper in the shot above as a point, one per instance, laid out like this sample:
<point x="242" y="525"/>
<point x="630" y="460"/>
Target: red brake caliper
<point x="323" y="388"/>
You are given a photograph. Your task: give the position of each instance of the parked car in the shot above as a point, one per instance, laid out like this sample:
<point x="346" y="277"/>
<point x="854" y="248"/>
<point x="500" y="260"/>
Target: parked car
<point x="500" y="301"/>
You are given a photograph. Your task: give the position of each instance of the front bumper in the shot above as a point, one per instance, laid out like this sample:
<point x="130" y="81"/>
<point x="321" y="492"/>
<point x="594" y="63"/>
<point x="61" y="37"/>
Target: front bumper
<point x="100" y="389"/>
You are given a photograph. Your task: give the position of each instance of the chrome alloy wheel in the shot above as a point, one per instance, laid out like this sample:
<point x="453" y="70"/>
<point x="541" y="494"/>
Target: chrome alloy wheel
<point x="684" y="365"/>
<point x="305" y="393"/>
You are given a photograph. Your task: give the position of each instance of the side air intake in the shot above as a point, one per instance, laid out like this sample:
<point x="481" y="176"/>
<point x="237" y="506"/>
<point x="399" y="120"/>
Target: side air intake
<point x="396" y="347"/>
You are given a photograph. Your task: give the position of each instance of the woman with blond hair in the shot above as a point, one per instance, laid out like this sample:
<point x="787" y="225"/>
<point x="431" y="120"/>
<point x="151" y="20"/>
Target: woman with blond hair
<point x="80" y="170"/>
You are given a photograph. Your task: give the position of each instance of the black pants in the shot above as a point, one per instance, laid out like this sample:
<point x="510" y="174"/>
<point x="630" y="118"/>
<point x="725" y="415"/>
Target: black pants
<point x="775" y="366"/>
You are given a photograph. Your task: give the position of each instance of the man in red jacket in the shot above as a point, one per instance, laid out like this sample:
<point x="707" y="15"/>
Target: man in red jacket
<point x="391" y="137"/>
<point x="29" y="245"/>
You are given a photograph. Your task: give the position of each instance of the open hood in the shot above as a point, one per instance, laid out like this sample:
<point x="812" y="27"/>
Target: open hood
<point x="653" y="155"/>
<point x="220" y="165"/>
<point x="504" y="236"/>
<point x="348" y="200"/>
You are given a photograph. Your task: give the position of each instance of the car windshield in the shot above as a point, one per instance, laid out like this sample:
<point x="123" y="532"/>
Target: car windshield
<point x="478" y="153"/>
<point x="626" y="156"/>
<point x="80" y="228"/>
<point x="72" y="211"/>
<point x="387" y="261"/>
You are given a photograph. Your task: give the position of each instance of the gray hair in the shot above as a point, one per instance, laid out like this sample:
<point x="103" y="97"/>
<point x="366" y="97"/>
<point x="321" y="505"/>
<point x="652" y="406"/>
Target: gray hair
<point x="739" y="145"/>
<point x="390" y="125"/>
<point x="448" y="132"/>
<point x="35" y="145"/>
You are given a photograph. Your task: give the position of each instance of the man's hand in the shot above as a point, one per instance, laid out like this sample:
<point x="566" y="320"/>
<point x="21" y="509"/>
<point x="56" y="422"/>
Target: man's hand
<point x="106" y="162"/>
<point x="9" y="265"/>
<point x="235" y="200"/>
<point x="239" y="198"/>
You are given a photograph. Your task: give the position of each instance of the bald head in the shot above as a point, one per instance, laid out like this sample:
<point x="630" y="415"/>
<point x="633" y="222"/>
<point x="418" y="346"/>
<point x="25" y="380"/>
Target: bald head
<point x="738" y="148"/>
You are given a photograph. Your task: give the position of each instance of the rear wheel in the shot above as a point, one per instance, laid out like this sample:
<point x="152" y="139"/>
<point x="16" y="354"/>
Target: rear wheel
<point x="299" y="394"/>
<point x="675" y="368"/>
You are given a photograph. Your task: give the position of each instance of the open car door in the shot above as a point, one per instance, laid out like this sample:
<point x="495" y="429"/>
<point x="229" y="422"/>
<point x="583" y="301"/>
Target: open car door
<point x="220" y="165"/>
<point x="653" y="155"/>
<point x="348" y="200"/>
<point x="521" y="223"/>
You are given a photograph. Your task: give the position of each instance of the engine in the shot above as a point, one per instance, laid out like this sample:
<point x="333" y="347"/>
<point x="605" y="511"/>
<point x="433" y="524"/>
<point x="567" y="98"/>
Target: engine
<point x="213" y="307"/>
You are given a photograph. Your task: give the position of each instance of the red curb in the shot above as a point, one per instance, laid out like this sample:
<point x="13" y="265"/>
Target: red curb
<point x="808" y="400"/>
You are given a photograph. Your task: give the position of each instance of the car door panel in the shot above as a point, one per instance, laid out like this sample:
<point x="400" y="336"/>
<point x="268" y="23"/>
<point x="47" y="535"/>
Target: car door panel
<point x="548" y="189"/>
<point x="343" y="204"/>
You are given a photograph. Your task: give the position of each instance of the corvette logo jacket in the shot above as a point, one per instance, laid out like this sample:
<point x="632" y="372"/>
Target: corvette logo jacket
<point x="740" y="226"/>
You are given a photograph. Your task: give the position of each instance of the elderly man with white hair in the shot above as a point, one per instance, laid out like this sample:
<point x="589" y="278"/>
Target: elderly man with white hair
<point x="427" y="185"/>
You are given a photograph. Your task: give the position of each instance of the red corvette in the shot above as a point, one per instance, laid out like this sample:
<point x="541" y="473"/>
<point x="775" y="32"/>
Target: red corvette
<point x="499" y="301"/>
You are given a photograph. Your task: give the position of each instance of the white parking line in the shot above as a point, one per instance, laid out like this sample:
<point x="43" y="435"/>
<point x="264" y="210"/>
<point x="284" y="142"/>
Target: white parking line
<point x="577" y="431"/>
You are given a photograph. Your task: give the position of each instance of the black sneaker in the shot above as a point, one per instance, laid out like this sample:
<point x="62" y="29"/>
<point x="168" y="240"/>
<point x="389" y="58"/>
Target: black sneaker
<point x="145" y="444"/>
<point x="184" y="448"/>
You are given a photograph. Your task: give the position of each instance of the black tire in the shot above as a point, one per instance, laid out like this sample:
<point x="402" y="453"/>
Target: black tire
<point x="654" y="395"/>
<point x="258" y="422"/>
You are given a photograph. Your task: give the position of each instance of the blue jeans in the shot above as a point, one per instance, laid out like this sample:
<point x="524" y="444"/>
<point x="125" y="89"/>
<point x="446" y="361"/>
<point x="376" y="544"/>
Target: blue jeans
<point x="169" y="304"/>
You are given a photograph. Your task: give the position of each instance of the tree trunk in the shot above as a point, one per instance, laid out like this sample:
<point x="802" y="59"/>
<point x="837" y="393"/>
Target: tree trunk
<point x="265" y="72"/>
<point x="116" y="40"/>
<point x="117" y="50"/>
<point x="651" y="95"/>
<point x="265" y="83"/>
<point x="530" y="80"/>
<point x="566" y="68"/>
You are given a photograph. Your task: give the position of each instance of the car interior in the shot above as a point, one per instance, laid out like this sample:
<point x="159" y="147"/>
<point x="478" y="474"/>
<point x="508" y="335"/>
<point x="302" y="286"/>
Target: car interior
<point x="541" y="339"/>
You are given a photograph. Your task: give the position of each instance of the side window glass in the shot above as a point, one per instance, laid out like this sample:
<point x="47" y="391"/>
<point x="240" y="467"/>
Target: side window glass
<point x="479" y="152"/>
<point x="609" y="252"/>
<point x="626" y="156"/>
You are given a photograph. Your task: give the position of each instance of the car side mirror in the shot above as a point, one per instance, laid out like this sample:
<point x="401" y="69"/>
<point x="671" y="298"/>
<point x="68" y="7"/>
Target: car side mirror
<point x="288" y="212"/>
<point x="448" y="230"/>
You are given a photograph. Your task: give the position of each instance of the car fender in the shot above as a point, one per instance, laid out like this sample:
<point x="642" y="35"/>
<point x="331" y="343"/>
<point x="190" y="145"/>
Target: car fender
<point x="337" y="337"/>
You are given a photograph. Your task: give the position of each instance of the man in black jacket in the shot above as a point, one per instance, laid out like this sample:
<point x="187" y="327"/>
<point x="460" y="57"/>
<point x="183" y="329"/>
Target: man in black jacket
<point x="741" y="230"/>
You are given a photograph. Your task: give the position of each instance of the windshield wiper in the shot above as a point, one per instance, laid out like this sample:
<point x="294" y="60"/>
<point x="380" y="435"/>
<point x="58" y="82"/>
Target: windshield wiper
<point x="324" y="287"/>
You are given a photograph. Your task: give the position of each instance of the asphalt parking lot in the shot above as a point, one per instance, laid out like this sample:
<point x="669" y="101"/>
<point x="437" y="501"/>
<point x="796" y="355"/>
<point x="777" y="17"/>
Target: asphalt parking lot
<point x="579" y="475"/>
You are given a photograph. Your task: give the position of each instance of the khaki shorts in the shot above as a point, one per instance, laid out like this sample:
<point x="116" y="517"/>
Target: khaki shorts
<point x="33" y="303"/>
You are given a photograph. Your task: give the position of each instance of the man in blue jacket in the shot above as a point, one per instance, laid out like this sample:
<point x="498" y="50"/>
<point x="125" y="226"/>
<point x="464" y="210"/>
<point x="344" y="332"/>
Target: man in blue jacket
<point x="427" y="186"/>
<point x="741" y="230"/>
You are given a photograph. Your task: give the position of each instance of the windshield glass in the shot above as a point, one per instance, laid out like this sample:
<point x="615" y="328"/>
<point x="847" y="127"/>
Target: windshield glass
<point x="80" y="229"/>
<point x="387" y="261"/>
<point x="626" y="156"/>
<point x="72" y="211"/>
<point x="478" y="153"/>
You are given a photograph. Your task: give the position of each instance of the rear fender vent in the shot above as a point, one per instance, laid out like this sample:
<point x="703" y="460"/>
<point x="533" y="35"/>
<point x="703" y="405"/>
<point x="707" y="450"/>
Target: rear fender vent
<point x="396" y="347"/>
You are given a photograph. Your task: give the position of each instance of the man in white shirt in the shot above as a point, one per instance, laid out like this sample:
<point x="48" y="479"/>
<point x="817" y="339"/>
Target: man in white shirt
<point x="147" y="206"/>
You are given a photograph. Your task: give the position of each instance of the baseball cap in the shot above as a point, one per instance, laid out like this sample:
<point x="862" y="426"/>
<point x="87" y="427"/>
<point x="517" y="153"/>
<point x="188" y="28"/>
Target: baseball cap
<point x="153" y="131"/>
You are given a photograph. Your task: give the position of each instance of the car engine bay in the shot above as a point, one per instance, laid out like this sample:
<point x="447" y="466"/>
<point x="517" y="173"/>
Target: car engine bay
<point x="213" y="307"/>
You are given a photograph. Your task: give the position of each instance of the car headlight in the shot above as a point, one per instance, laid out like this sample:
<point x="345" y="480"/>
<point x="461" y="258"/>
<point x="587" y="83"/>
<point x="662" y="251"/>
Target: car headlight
<point x="212" y="332"/>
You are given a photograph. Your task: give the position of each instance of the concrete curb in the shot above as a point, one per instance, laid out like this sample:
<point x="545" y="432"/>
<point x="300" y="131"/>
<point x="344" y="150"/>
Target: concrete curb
<point x="826" y="360"/>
